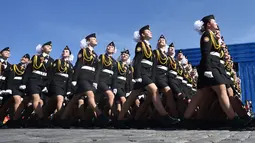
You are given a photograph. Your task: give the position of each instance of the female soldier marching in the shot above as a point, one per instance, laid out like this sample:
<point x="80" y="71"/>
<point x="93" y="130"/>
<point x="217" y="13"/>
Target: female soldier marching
<point x="4" y="72"/>
<point x="144" y="76"/>
<point x="161" y="70"/>
<point x="13" y="82"/>
<point x="175" y="80"/>
<point x="60" y="86"/>
<point x="85" y="79"/>
<point x="38" y="75"/>
<point x="106" y="75"/>
<point x="123" y="78"/>
<point x="210" y="75"/>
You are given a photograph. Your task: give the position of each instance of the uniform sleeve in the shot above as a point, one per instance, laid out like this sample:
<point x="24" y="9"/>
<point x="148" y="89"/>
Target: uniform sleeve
<point x="9" y="81"/>
<point x="98" y="68"/>
<point x="70" y="78"/>
<point x="54" y="67"/>
<point x="6" y="74"/>
<point x="154" y="66"/>
<point x="115" y="74"/>
<point x="206" y="44"/>
<point x="28" y="72"/>
<point x="129" y="81"/>
<point x="137" y="61"/>
<point x="77" y="66"/>
<point x="50" y="72"/>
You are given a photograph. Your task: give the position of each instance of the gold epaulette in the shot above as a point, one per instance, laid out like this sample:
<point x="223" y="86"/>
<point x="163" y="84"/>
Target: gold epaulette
<point x="216" y="45"/>
<point x="104" y="61"/>
<point x="86" y="57"/>
<point x="161" y="60"/>
<point x="147" y="54"/>
<point x="35" y="64"/>
<point x="60" y="68"/>
<point x="121" y="69"/>
<point x="17" y="71"/>
<point x="221" y="54"/>
<point x="173" y="63"/>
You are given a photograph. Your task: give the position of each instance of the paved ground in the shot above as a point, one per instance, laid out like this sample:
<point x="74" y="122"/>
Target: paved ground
<point x="123" y="136"/>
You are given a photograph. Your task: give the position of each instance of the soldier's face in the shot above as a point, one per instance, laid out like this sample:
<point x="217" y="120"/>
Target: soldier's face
<point x="110" y="49"/>
<point x="147" y="34"/>
<point x="227" y="57"/>
<point x="213" y="25"/>
<point x="226" y="53"/>
<point x="93" y="41"/>
<point x="180" y="56"/>
<point x="47" y="49"/>
<point x="162" y="42"/>
<point x="189" y="67"/>
<point x="24" y="60"/>
<point x="6" y="54"/>
<point x="66" y="53"/>
<point x="171" y="50"/>
<point x="193" y="72"/>
<point x="124" y="57"/>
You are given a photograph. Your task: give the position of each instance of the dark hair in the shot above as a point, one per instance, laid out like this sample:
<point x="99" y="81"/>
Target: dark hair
<point x="202" y="29"/>
<point x="141" y="37"/>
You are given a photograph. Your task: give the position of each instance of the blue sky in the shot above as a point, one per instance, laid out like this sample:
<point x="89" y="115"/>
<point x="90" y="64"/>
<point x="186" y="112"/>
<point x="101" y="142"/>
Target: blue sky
<point x="26" y="23"/>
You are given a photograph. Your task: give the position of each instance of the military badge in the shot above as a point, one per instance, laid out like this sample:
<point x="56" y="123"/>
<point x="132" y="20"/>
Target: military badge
<point x="206" y="39"/>
<point x="138" y="49"/>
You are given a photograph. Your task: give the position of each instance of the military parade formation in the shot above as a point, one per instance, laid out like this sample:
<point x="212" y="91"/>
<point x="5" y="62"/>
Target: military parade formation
<point x="158" y="88"/>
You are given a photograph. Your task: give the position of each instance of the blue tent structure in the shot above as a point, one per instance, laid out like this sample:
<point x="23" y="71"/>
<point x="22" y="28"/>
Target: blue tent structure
<point x="244" y="57"/>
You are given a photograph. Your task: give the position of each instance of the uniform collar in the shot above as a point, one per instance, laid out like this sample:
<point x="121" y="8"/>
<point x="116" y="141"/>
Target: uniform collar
<point x="91" y="48"/>
<point x="45" y="55"/>
<point x="124" y="62"/>
<point x="22" y="64"/>
<point x="108" y="55"/>
<point x="162" y="50"/>
<point x="147" y="42"/>
<point x="65" y="59"/>
<point x="3" y="59"/>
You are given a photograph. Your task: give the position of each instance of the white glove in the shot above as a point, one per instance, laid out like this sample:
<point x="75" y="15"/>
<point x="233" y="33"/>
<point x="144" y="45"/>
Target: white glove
<point x="8" y="91"/>
<point x="208" y="74"/>
<point x="127" y="94"/>
<point x="66" y="99"/>
<point x="45" y="90"/>
<point x="141" y="96"/>
<point x="68" y="93"/>
<point x="138" y="80"/>
<point x="22" y="87"/>
<point x="114" y="91"/>
<point x="1" y="91"/>
<point x="74" y="83"/>
<point x="95" y="85"/>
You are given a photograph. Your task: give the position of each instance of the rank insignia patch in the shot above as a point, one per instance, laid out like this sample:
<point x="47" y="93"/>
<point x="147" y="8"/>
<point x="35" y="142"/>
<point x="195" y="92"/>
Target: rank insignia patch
<point x="206" y="39"/>
<point x="138" y="49"/>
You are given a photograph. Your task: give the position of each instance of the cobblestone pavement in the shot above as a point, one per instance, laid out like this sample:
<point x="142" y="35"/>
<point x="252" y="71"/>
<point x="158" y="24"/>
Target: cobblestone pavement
<point x="123" y="136"/>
